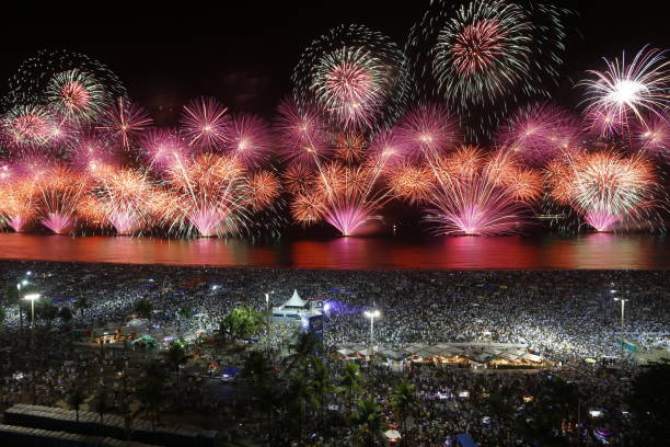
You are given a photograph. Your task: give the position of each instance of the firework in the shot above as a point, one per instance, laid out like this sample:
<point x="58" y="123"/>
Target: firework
<point x="427" y="131"/>
<point x="204" y="123"/>
<point x="17" y="206"/>
<point x="539" y="133"/>
<point x="411" y="183"/>
<point x="627" y="93"/>
<point x="165" y="149"/>
<point x="211" y="192"/>
<point x="32" y="82"/>
<point x="484" y="195"/>
<point x="264" y="188"/>
<point x="654" y="137"/>
<point x="124" y="199"/>
<point x="346" y="191"/>
<point x="92" y="153"/>
<point x="302" y="133"/>
<point x="606" y="188"/>
<point x="249" y="140"/>
<point x="484" y="55"/>
<point x="59" y="193"/>
<point x="76" y="95"/>
<point x="123" y="121"/>
<point x="28" y="127"/>
<point x="357" y="75"/>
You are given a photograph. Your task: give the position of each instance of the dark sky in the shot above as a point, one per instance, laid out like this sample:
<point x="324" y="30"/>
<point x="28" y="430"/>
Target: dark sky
<point x="243" y="51"/>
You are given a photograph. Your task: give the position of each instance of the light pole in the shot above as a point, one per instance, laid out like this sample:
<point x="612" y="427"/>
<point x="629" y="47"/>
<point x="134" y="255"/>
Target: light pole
<point x="623" y="310"/>
<point x="32" y="297"/>
<point x="371" y="315"/>
<point x="267" y="320"/>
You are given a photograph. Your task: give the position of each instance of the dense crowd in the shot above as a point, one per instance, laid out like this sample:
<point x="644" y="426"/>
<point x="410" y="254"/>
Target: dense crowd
<point x="564" y="315"/>
<point x="561" y="314"/>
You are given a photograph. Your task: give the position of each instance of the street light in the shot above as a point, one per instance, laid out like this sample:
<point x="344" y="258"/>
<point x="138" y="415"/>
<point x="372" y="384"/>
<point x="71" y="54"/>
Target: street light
<point x="371" y="315"/>
<point x="623" y="302"/>
<point x="267" y="320"/>
<point x="32" y="297"/>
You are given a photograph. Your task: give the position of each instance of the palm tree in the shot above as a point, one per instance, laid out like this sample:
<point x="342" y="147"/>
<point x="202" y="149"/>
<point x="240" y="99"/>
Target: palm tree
<point x="322" y="386"/>
<point x="151" y="389"/>
<point x="176" y="355"/>
<point x="101" y="401"/>
<point x="144" y="308"/>
<point x="80" y="304"/>
<point x="65" y="315"/>
<point x="47" y="311"/>
<point x="2" y="315"/>
<point x="350" y="383"/>
<point x="76" y="396"/>
<point x="300" y="399"/>
<point x="303" y="351"/>
<point x="368" y="417"/>
<point x="403" y="401"/>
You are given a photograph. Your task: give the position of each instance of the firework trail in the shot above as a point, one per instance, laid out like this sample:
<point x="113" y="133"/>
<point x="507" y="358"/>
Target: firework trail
<point x="484" y="56"/>
<point x="356" y="75"/>
<point x="124" y="122"/>
<point x="627" y="93"/>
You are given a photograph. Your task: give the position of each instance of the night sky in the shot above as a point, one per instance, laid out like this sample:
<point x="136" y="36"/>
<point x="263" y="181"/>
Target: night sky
<point x="243" y="52"/>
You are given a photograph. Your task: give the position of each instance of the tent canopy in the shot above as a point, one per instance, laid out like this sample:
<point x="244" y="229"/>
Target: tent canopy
<point x="295" y="301"/>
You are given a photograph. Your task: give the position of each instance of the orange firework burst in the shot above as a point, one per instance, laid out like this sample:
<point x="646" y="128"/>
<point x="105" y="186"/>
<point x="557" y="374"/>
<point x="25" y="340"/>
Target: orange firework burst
<point x="606" y="188"/>
<point x="308" y="209"/>
<point x="298" y="178"/>
<point x="60" y="191"/>
<point x="412" y="183"/>
<point x="264" y="188"/>
<point x="17" y="207"/>
<point x="125" y="199"/>
<point x="349" y="147"/>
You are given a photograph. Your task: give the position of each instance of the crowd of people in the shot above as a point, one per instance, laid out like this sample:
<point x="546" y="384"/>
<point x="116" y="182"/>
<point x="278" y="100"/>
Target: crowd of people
<point x="566" y="316"/>
<point x="560" y="314"/>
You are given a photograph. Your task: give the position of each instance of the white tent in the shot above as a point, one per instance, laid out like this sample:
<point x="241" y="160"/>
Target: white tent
<point x="295" y="301"/>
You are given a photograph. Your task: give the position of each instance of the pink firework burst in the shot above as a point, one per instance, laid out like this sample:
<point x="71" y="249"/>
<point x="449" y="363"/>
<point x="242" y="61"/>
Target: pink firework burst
<point x="627" y="93"/>
<point x="302" y="133"/>
<point x="204" y="122"/>
<point x="426" y="131"/>
<point x="349" y="219"/>
<point x="124" y="121"/>
<point x="92" y="153"/>
<point x="654" y="137"/>
<point x="539" y="133"/>
<point x="27" y="127"/>
<point x="166" y="149"/>
<point x="249" y="140"/>
<point x="489" y="199"/>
